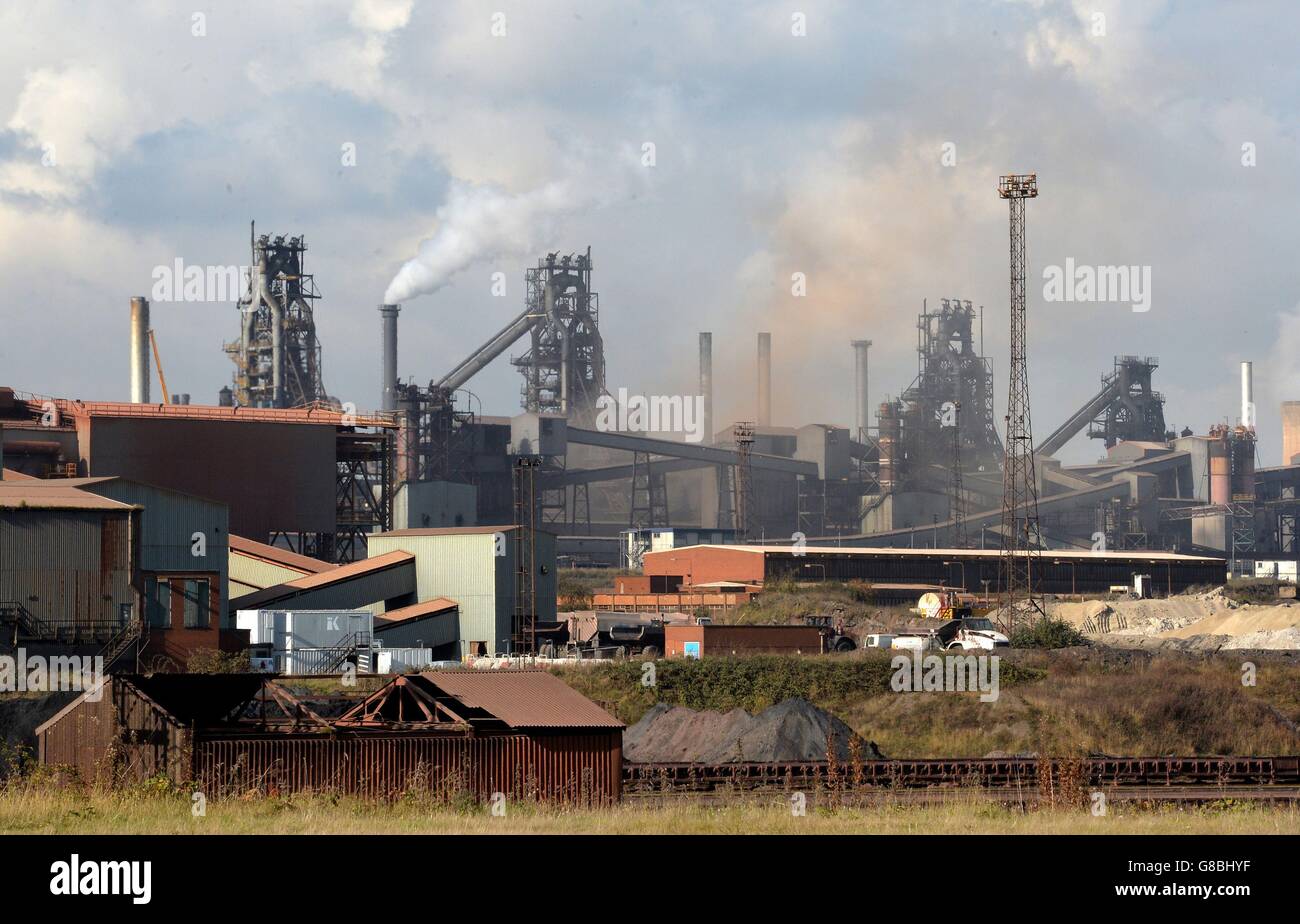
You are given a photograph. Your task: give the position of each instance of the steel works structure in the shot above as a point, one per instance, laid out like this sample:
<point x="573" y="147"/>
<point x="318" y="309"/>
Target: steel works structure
<point x="1021" y="538"/>
<point x="277" y="356"/>
<point x="564" y="368"/>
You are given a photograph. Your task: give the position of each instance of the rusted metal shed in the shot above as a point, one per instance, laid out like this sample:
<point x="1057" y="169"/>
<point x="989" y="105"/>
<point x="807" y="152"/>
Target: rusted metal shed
<point x="523" y="733"/>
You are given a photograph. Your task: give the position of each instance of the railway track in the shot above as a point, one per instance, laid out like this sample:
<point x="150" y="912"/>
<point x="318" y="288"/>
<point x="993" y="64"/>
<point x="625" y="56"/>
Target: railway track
<point x="1187" y="778"/>
<point x="1005" y="795"/>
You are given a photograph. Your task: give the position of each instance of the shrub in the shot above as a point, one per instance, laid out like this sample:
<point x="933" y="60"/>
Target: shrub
<point x="1047" y="632"/>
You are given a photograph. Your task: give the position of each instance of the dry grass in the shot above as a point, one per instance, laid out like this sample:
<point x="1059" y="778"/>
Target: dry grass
<point x="41" y="810"/>
<point x="1058" y="703"/>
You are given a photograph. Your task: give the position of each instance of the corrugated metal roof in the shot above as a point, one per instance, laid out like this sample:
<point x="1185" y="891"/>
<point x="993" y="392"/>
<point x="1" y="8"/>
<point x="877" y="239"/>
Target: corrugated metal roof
<point x="417" y="610"/>
<point x="523" y="698"/>
<point x="52" y="495"/>
<point x="304" y="563"/>
<point x="356" y="569"/>
<point x="452" y="531"/>
<point x="308" y="415"/>
<point x="868" y="551"/>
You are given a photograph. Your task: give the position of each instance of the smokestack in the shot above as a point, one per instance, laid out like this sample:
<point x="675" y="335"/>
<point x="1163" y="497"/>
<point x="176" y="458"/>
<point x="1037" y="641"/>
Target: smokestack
<point x="139" y="350"/>
<point x="1247" y="396"/>
<point x="389" y="314"/>
<point x="764" y="379"/>
<point x="706" y="382"/>
<point x="861" y="409"/>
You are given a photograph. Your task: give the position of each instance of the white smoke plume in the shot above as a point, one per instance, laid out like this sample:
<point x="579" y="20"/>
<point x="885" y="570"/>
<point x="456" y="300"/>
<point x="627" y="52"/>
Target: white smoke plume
<point x="482" y="222"/>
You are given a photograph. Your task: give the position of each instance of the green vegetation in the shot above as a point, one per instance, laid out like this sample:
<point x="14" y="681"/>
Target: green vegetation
<point x="1075" y="701"/>
<point x="1047" y="632"/>
<point x="575" y="586"/>
<point x="783" y="602"/>
<point x="749" y="683"/>
<point x="1252" y="590"/>
<point x="212" y="661"/>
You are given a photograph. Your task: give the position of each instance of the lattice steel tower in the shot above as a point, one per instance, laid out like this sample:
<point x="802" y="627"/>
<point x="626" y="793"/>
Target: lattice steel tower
<point x="1021" y="538"/>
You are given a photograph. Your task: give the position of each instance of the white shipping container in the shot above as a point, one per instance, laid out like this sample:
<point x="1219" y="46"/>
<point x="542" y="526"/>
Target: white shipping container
<point x="403" y="660"/>
<point x="286" y="630"/>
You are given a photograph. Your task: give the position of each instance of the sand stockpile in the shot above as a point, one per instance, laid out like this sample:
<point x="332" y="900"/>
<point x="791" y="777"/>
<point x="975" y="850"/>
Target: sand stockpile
<point x="1245" y="620"/>
<point x="1193" y="622"/>
<point x="792" y="730"/>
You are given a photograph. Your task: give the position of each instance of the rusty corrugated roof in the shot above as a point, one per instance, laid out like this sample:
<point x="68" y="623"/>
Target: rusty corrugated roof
<point x="255" y="549"/>
<point x="49" y="494"/>
<point x="523" y="698"/>
<point x="258" y="598"/>
<point x="416" y="610"/>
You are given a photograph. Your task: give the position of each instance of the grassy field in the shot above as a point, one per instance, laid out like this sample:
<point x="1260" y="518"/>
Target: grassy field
<point x="42" y="810"/>
<point x="1078" y="701"/>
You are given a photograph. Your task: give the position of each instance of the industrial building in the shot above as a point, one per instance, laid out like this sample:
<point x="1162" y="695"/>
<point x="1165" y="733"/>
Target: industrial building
<point x="322" y="477"/>
<point x="699" y="641"/>
<point x="522" y="733"/>
<point x="299" y="472"/>
<point x="502" y="580"/>
<point x="116" y="567"/>
<point x="1062" y="571"/>
<point x="257" y="565"/>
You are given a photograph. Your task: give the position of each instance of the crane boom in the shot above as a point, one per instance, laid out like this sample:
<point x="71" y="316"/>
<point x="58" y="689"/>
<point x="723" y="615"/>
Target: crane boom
<point x="157" y="361"/>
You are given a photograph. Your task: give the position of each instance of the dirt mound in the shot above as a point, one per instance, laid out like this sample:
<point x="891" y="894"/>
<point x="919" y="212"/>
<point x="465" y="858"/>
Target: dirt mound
<point x="793" y="729"/>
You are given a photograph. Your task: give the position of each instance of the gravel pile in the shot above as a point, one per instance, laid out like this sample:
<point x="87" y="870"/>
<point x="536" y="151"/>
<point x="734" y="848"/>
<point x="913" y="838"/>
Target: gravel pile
<point x="792" y="730"/>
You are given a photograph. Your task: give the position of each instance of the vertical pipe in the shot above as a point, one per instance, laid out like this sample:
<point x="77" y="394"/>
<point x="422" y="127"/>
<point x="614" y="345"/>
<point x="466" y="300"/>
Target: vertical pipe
<point x="862" y="412"/>
<point x="277" y="353"/>
<point x="1247" y="396"/>
<point x="764" y="379"/>
<point x="139" y="350"/>
<point x="388" y="395"/>
<point x="706" y="383"/>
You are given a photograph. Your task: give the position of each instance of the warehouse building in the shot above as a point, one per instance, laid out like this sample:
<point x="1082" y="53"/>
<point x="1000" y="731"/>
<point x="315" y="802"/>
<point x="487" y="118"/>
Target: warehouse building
<point x="67" y="562"/>
<point x="383" y="581"/>
<point x="476" y="567"/>
<point x="99" y="551"/>
<point x="1063" y="572"/>
<point x="523" y="733"/>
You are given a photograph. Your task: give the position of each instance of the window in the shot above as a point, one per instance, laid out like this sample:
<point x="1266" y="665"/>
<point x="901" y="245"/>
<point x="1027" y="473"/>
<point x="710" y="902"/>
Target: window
<point x="195" y="591"/>
<point x="179" y="600"/>
<point x="158" y="606"/>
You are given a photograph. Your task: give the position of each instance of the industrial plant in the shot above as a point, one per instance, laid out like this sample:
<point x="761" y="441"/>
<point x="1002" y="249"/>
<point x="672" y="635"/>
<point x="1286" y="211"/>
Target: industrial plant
<point x="931" y="476"/>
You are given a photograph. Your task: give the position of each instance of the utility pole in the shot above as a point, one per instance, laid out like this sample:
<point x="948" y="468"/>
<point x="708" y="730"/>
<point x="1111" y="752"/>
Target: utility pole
<point x="1018" y="565"/>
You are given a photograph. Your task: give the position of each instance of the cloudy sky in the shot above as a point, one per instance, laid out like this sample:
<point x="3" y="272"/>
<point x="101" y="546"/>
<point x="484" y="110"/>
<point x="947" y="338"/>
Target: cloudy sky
<point x="858" y="144"/>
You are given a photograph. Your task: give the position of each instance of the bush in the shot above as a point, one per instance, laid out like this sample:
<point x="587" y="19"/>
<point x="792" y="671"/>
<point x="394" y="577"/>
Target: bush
<point x="212" y="661"/>
<point x="1252" y="590"/>
<point x="574" y="592"/>
<point x="1047" y="632"/>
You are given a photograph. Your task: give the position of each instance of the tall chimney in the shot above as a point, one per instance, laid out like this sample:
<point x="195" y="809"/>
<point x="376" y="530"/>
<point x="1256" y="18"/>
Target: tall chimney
<point x="389" y="314"/>
<point x="706" y="382"/>
<point x="139" y="350"/>
<point x="764" y="379"/>
<point x="862" y="408"/>
<point x="1247" y="396"/>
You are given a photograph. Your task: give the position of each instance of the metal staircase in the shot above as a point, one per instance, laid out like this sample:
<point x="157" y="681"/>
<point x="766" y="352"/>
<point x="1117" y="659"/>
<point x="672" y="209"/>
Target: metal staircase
<point x="132" y="637"/>
<point x="332" y="659"/>
<point x="18" y="624"/>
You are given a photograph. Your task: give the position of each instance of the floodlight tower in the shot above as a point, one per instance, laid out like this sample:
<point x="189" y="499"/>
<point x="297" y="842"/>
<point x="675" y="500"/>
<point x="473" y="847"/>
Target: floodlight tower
<point x="1018" y="565"/>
